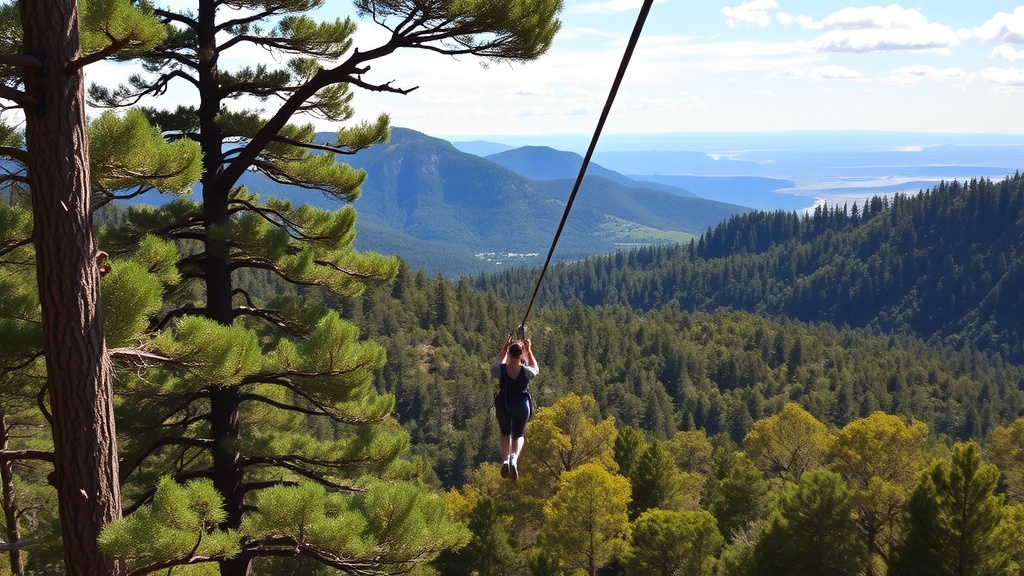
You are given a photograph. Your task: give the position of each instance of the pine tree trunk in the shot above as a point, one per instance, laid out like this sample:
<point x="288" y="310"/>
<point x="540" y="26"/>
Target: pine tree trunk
<point x="228" y="472"/>
<point x="78" y="370"/>
<point x="13" y="534"/>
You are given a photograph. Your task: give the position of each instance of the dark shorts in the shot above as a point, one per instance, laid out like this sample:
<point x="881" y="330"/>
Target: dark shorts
<point x="512" y="416"/>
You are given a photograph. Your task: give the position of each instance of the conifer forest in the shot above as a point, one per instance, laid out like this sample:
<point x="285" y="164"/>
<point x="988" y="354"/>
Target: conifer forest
<point x="222" y="385"/>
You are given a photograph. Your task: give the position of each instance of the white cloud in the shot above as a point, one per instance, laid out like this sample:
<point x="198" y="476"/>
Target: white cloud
<point x="833" y="72"/>
<point x="752" y="12"/>
<point x="805" y="22"/>
<point x="1006" y="52"/>
<point x="829" y="72"/>
<point x="892" y="28"/>
<point x="1004" y="77"/>
<point x="1005" y="28"/>
<point x="873" y="17"/>
<point x="918" y="73"/>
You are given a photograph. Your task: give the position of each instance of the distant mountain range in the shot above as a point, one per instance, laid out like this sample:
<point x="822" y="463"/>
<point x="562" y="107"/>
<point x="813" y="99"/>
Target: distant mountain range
<point x="792" y="170"/>
<point x="459" y="208"/>
<point x="450" y="212"/>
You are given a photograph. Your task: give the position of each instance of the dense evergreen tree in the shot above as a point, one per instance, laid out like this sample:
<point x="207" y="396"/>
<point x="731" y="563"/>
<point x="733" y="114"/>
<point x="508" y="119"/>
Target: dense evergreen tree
<point x="655" y="482"/>
<point x="488" y="552"/>
<point x="952" y="520"/>
<point x="736" y="494"/>
<point x="813" y="533"/>
<point x="628" y="447"/>
<point x="260" y="373"/>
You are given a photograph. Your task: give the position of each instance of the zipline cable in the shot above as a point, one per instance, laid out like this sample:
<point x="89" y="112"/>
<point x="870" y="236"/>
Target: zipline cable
<point x="633" y="39"/>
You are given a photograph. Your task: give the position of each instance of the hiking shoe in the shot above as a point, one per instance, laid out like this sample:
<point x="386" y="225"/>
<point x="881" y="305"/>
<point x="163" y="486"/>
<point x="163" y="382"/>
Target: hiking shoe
<point x="504" y="469"/>
<point x="513" y="470"/>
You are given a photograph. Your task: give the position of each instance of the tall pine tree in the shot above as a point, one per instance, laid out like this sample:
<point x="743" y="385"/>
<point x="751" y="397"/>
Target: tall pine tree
<point x="45" y="47"/>
<point x="255" y="373"/>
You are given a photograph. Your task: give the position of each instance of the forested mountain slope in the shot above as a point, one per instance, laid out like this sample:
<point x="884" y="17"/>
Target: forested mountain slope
<point x="662" y="371"/>
<point x="946" y="265"/>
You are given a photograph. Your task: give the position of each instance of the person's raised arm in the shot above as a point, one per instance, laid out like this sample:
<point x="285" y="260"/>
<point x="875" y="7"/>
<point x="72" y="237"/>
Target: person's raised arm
<point x="528" y="355"/>
<point x="504" y="350"/>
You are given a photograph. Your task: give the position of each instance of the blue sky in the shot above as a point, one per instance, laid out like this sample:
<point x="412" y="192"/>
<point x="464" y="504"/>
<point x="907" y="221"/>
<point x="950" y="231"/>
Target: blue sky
<point x="705" y="66"/>
<point x="761" y="65"/>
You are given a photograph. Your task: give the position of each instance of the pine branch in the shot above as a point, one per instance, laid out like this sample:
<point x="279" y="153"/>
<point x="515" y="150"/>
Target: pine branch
<point x="115" y="46"/>
<point x="143" y="358"/>
<point x="12" y="455"/>
<point x="107" y="196"/>
<point x="257" y="89"/>
<point x="12" y="245"/>
<point x="28" y="361"/>
<point x="332" y="148"/>
<point x="147" y="496"/>
<point x="19" y="97"/>
<point x="185" y="560"/>
<point x="201" y="443"/>
<point x="14" y="153"/>
<point x="270" y="316"/>
<point x="319" y="411"/>
<point x="351" y="273"/>
<point x="296" y="467"/>
<point x="275" y="217"/>
<point x="289" y="547"/>
<point x="169" y="17"/>
<point x="254" y="17"/>
<point x="21" y="61"/>
<point x="157" y="88"/>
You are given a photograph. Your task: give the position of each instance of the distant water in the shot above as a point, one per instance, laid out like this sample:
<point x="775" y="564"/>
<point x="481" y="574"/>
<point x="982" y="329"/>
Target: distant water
<point x="796" y="170"/>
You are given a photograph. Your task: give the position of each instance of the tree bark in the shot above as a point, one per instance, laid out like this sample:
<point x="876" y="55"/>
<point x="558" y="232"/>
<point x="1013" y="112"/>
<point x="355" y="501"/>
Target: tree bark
<point x="10" y="503"/>
<point x="79" y="379"/>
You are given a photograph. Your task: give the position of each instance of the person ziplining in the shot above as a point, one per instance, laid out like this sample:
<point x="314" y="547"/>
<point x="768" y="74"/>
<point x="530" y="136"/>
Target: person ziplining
<point x="514" y="368"/>
<point x="521" y="367"/>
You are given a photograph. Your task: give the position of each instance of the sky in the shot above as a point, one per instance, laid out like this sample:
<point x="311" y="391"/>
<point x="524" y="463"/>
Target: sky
<point x="947" y="66"/>
<point x="706" y="66"/>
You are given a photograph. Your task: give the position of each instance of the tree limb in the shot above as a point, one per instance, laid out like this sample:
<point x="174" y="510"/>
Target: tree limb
<point x="11" y="455"/>
<point x="15" y="153"/>
<point x="20" y="98"/>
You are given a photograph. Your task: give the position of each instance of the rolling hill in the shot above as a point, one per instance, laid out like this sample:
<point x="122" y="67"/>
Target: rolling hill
<point x="455" y="213"/>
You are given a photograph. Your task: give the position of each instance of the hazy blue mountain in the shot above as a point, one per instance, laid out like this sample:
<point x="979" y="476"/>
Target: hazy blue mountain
<point x="757" y="192"/>
<point x="545" y="163"/>
<point x="481" y="147"/>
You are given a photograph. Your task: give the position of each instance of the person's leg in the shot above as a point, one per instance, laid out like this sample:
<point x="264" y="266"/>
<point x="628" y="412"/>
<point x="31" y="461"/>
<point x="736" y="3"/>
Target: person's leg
<point x="520" y="414"/>
<point x="506" y="447"/>
<point x="505" y="429"/>
<point x="517" y="446"/>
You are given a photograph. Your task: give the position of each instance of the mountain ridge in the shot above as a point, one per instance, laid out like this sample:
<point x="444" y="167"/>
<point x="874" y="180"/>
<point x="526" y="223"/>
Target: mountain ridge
<point x="945" y="265"/>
